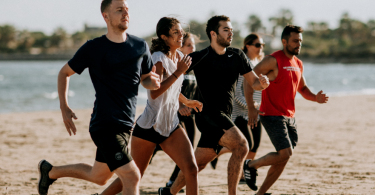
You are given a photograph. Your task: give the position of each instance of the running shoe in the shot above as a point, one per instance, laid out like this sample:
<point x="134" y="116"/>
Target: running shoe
<point x="44" y="167"/>
<point x="242" y="181"/>
<point x="250" y="175"/>
<point x="164" y="191"/>
<point x="214" y="163"/>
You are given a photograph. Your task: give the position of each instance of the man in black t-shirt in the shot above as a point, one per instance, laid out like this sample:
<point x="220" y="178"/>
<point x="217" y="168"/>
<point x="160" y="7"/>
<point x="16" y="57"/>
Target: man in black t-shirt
<point x="217" y="69"/>
<point x="117" y="63"/>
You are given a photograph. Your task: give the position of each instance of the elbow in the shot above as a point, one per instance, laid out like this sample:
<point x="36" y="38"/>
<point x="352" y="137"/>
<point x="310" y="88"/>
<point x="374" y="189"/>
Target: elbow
<point x="153" y="96"/>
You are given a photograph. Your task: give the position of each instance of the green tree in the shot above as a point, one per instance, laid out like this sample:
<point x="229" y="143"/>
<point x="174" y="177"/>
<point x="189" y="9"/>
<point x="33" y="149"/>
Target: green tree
<point x="284" y="17"/>
<point x="254" y="24"/>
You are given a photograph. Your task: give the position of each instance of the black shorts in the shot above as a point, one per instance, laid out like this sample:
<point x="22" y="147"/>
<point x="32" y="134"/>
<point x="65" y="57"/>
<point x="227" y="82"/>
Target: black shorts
<point x="212" y="128"/>
<point x="252" y="135"/>
<point x="151" y="134"/>
<point x="281" y="130"/>
<point x="112" y="146"/>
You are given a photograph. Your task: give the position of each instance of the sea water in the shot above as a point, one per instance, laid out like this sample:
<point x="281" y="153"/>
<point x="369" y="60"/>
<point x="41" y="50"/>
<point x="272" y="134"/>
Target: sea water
<point x="32" y="85"/>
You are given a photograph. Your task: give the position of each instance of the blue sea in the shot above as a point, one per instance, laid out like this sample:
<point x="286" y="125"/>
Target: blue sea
<point x="27" y="86"/>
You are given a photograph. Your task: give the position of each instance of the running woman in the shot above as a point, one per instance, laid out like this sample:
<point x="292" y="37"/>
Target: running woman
<point x="285" y="72"/>
<point x="117" y="63"/>
<point x="186" y="114"/>
<point x="159" y="123"/>
<point x="217" y="69"/>
<point x="253" y="48"/>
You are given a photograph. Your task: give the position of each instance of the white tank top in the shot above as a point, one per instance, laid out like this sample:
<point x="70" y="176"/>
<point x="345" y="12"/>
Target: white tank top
<point x="161" y="113"/>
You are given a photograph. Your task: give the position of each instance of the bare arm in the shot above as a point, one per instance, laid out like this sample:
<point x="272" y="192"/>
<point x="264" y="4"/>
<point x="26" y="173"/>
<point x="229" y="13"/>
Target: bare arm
<point x="257" y="83"/>
<point x="252" y="111"/>
<point x="182" y="66"/>
<point x="62" y="88"/>
<point x="305" y="91"/>
<point x="196" y="105"/>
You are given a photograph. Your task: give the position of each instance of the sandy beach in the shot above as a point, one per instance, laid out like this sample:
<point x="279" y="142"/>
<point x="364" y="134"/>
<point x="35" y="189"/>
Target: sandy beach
<point x="335" y="153"/>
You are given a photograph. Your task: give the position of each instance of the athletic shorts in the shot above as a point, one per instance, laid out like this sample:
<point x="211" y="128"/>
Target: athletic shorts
<point x="112" y="146"/>
<point x="252" y="135"/>
<point x="212" y="128"/>
<point x="151" y="134"/>
<point x="281" y="130"/>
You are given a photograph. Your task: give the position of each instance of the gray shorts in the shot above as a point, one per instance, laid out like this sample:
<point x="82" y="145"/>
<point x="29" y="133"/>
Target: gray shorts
<point x="281" y="130"/>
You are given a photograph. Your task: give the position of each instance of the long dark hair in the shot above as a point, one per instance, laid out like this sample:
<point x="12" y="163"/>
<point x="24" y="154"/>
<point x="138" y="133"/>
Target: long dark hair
<point x="162" y="28"/>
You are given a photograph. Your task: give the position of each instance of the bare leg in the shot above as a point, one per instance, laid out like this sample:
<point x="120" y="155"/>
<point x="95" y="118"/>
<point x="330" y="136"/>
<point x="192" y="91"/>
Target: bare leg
<point x="203" y="156"/>
<point x="178" y="147"/>
<point x="235" y="141"/>
<point x="99" y="173"/>
<point x="278" y="161"/>
<point x="273" y="174"/>
<point x="272" y="158"/>
<point x="130" y="178"/>
<point x="141" y="157"/>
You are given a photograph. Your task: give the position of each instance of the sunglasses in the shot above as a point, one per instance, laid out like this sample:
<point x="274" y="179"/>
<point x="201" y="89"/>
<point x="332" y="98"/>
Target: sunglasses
<point x="258" y="45"/>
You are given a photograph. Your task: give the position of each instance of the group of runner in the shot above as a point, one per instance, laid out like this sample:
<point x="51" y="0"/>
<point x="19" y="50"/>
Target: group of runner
<point x="216" y="77"/>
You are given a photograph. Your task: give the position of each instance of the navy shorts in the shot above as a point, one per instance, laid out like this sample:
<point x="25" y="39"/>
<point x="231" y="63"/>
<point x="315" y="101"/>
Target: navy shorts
<point x="281" y="130"/>
<point x="112" y="146"/>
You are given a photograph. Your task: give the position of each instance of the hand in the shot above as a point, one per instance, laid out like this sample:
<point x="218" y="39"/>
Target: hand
<point x="155" y="79"/>
<point x="253" y="117"/>
<point x="183" y="64"/>
<point x="263" y="80"/>
<point x="321" y="97"/>
<point x="194" y="104"/>
<point x="67" y="115"/>
<point x="184" y="111"/>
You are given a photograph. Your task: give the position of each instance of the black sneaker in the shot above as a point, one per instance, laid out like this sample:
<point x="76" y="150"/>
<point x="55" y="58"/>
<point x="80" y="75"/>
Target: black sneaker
<point x="44" y="167"/>
<point x="214" y="163"/>
<point x="242" y="181"/>
<point x="164" y="191"/>
<point x="250" y="175"/>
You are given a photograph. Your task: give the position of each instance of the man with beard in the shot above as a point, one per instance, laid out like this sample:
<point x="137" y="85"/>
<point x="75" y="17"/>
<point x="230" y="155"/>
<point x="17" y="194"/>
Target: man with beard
<point x="217" y="69"/>
<point x="117" y="63"/>
<point x="284" y="71"/>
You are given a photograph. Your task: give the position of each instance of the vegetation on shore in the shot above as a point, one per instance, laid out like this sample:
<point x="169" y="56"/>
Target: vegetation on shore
<point x="351" y="39"/>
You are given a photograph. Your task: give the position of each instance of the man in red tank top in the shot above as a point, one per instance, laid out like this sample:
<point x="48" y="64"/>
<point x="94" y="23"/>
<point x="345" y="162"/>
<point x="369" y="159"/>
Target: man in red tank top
<point x="277" y="109"/>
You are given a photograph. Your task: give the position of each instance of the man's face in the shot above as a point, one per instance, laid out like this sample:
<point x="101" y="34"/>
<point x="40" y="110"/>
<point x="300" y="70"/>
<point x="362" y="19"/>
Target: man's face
<point x="293" y="45"/>
<point x="117" y="15"/>
<point x="225" y="35"/>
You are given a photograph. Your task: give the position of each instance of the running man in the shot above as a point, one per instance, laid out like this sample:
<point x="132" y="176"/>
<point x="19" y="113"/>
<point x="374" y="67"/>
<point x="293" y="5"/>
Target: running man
<point x="285" y="72"/>
<point x="117" y="63"/>
<point x="253" y="48"/>
<point x="217" y="69"/>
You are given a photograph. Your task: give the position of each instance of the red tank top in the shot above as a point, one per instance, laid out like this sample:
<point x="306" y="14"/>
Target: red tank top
<point x="278" y="98"/>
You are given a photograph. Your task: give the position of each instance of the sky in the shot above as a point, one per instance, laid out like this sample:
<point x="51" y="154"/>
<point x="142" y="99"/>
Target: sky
<point x="47" y="15"/>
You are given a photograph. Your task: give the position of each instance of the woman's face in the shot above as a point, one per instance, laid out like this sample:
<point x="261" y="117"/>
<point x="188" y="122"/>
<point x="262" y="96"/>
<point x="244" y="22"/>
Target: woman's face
<point x="189" y="46"/>
<point x="256" y="50"/>
<point x="174" y="40"/>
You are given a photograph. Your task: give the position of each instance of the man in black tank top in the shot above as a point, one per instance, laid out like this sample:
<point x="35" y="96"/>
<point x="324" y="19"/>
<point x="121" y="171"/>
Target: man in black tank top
<point x="217" y="69"/>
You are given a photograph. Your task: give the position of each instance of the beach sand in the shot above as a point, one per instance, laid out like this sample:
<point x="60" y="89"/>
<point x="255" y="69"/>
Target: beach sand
<point x="335" y="153"/>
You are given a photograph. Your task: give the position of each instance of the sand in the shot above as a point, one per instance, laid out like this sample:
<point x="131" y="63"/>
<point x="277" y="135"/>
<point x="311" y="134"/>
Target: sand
<point x="335" y="153"/>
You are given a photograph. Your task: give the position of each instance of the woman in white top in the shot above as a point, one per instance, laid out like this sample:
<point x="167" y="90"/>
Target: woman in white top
<point x="159" y="123"/>
<point x="253" y="48"/>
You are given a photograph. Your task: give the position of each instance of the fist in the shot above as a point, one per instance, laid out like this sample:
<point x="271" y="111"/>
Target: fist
<point x="155" y="79"/>
<point x="264" y="82"/>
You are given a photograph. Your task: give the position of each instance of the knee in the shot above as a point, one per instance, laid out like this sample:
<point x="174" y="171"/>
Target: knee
<point x="286" y="154"/>
<point x="129" y="176"/>
<point x="101" y="179"/>
<point x="190" y="170"/>
<point x="242" y="148"/>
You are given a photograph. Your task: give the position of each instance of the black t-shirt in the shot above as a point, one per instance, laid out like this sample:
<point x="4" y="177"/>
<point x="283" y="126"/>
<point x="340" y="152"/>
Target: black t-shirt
<point x="217" y="77"/>
<point x="115" y="70"/>
<point x="189" y="85"/>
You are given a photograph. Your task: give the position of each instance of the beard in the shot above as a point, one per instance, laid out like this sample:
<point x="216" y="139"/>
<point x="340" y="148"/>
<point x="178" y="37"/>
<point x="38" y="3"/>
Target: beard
<point x="120" y="27"/>
<point x="292" y="51"/>
<point x="222" y="41"/>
